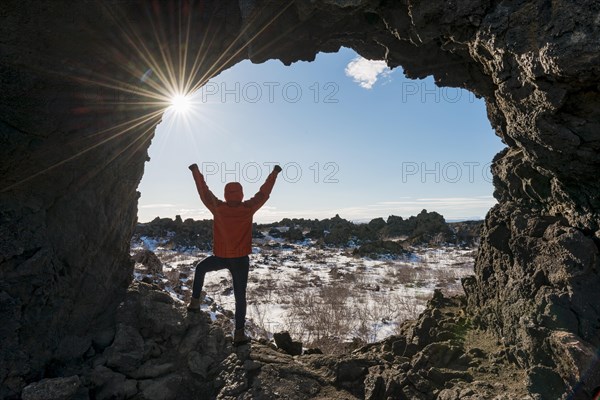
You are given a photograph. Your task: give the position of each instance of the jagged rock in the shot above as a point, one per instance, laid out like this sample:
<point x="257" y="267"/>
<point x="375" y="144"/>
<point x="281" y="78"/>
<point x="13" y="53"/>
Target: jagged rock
<point x="440" y="354"/>
<point x="194" y="337"/>
<point x="258" y="371"/>
<point x="159" y="355"/>
<point x="152" y="311"/>
<point x="284" y="341"/>
<point x="100" y="374"/>
<point x="199" y="363"/>
<point x="288" y="381"/>
<point x="53" y="389"/>
<point x="344" y="372"/>
<point x="164" y="388"/>
<point x="107" y="384"/>
<point x="441" y="377"/>
<point x="232" y="379"/>
<point x="127" y="350"/>
<point x="103" y="338"/>
<point x="380" y="247"/>
<point x="313" y="351"/>
<point x="467" y="232"/>
<point x="72" y="347"/>
<point x="177" y="233"/>
<point x="382" y="383"/>
<point x="545" y="382"/>
<point x="352" y="370"/>
<point x="148" y="259"/>
<point x="252" y="365"/>
<point x="152" y="369"/>
<point x="577" y="358"/>
<point x="269" y="356"/>
<point x="294" y="235"/>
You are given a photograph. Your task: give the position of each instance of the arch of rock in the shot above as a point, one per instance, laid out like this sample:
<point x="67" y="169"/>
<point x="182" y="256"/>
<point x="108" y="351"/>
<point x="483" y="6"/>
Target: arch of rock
<point x="69" y="171"/>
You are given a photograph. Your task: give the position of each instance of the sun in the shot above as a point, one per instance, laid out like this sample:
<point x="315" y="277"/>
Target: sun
<point x="180" y="103"/>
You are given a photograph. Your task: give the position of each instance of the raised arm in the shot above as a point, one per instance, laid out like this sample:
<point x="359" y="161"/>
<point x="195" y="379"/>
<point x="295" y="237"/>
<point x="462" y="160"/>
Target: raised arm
<point x="263" y="193"/>
<point x="207" y="197"/>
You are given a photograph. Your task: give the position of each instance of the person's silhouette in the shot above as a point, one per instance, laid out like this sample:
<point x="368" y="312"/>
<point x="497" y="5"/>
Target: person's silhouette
<point x="232" y="241"/>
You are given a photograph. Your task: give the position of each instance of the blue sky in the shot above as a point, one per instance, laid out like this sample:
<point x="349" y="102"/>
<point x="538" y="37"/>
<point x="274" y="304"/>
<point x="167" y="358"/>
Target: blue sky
<point x="353" y="138"/>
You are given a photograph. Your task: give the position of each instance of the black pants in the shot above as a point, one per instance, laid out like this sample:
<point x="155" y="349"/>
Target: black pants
<point x="238" y="267"/>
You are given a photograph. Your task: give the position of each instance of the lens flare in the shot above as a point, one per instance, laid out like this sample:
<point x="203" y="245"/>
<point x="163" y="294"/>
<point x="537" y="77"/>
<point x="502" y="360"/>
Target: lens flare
<point x="180" y="103"/>
<point x="166" y="73"/>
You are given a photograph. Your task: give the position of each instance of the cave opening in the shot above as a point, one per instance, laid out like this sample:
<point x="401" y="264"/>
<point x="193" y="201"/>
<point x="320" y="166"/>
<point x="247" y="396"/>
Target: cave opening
<point x="355" y="139"/>
<point x="363" y="144"/>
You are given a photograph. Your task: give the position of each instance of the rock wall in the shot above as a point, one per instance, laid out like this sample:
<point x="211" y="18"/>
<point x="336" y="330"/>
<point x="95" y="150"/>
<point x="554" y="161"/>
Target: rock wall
<point x="158" y="350"/>
<point x="75" y="91"/>
<point x="75" y="126"/>
<point x="67" y="192"/>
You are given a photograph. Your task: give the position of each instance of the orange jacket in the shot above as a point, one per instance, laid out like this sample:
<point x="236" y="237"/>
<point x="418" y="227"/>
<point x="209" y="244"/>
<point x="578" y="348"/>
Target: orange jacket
<point x="232" y="225"/>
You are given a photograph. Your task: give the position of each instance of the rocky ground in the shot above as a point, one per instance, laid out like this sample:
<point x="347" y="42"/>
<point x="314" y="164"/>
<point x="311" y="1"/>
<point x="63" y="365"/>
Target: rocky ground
<point x="159" y="351"/>
<point x="331" y="283"/>
<point x="300" y="287"/>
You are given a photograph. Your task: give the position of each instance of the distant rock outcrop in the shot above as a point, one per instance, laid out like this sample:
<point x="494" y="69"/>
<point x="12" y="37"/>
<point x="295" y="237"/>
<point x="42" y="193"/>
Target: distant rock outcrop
<point x="466" y="232"/>
<point x="427" y="228"/>
<point x="176" y="233"/>
<point x="380" y="247"/>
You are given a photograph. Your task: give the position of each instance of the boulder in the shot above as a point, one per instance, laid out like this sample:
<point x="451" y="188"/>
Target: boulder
<point x="284" y="341"/>
<point x="126" y="352"/>
<point x="149" y="260"/>
<point x="53" y="389"/>
<point x="165" y="388"/>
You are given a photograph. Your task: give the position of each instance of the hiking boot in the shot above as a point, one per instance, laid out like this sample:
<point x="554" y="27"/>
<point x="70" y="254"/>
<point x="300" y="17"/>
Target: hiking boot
<point x="194" y="305"/>
<point x="240" y="338"/>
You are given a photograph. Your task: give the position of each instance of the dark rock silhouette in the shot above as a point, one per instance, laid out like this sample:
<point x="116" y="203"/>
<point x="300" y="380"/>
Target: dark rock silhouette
<point x="74" y="146"/>
<point x="54" y="388"/>
<point x="148" y="259"/>
<point x="423" y="229"/>
<point x="466" y="232"/>
<point x="284" y="341"/>
<point x="177" y="234"/>
<point x="419" y="229"/>
<point x="379" y="247"/>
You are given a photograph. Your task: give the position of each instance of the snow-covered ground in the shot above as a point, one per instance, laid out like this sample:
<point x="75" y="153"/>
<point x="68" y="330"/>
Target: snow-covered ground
<point x="317" y="293"/>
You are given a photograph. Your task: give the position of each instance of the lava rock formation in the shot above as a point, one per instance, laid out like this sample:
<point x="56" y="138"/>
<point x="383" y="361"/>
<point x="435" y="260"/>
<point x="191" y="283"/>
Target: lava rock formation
<point x="76" y="122"/>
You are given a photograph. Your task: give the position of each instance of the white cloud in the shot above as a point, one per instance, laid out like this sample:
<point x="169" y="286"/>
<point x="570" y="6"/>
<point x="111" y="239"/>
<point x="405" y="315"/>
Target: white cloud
<point x="366" y="72"/>
<point x="158" y="205"/>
